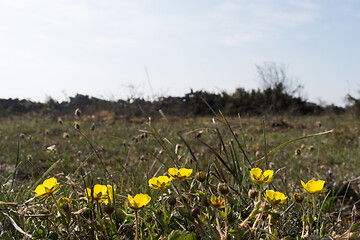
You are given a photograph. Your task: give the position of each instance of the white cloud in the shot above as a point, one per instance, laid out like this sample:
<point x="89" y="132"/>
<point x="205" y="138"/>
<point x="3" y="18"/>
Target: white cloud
<point x="45" y="37"/>
<point x="235" y="39"/>
<point x="243" y="22"/>
<point x="114" y="41"/>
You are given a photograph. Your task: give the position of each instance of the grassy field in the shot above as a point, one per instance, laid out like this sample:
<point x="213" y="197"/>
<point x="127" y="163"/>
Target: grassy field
<point x="126" y="154"/>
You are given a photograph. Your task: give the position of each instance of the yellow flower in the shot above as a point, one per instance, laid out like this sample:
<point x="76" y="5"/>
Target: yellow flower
<point x="274" y="197"/>
<point x="100" y="193"/>
<point x="217" y="202"/>
<point x="139" y="201"/>
<point x="313" y="186"/>
<point x="46" y="189"/>
<point x="160" y="183"/>
<point x="260" y="177"/>
<point x="180" y="174"/>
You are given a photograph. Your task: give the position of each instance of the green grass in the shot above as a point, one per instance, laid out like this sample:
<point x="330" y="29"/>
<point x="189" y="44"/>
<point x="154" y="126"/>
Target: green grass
<point x="126" y="154"/>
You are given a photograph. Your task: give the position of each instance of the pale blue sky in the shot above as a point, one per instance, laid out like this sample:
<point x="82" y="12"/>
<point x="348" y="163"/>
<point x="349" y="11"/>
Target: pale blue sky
<point x="101" y="47"/>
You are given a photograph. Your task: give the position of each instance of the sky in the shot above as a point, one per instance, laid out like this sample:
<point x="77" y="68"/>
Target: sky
<point x="117" y="49"/>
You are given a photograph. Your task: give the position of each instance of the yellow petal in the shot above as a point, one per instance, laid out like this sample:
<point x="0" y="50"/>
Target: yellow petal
<point x="130" y="202"/>
<point x="40" y="190"/>
<point x="142" y="200"/>
<point x="164" y="179"/>
<point x="315" y="186"/>
<point x="173" y="171"/>
<point x="268" y="175"/>
<point x="304" y="185"/>
<point x="50" y="183"/>
<point x="185" y="172"/>
<point x="152" y="181"/>
<point x="98" y="188"/>
<point x="255" y="173"/>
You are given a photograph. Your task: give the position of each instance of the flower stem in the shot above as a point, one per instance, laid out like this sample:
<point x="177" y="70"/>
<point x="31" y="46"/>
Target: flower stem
<point x="137" y="225"/>
<point x="56" y="204"/>
<point x="314" y="205"/>
<point x="164" y="212"/>
<point x="62" y="216"/>
<point x="180" y="195"/>
<point x="257" y="206"/>
<point x="260" y="192"/>
<point x="218" y="224"/>
<point x="304" y="221"/>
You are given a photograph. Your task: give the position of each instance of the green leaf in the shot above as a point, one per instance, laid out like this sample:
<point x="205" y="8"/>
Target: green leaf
<point x="40" y="233"/>
<point x="177" y="235"/>
<point x="181" y="235"/>
<point x="53" y="236"/>
<point x="191" y="236"/>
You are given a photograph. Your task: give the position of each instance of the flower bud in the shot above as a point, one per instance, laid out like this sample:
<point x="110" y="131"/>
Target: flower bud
<point x="200" y="176"/>
<point x="119" y="215"/>
<point x="64" y="203"/>
<point x="298" y="197"/>
<point x="253" y="193"/>
<point x="171" y="200"/>
<point x="195" y="212"/>
<point x="184" y="212"/>
<point x="205" y="201"/>
<point x="223" y="188"/>
<point x="109" y="208"/>
<point x="77" y="112"/>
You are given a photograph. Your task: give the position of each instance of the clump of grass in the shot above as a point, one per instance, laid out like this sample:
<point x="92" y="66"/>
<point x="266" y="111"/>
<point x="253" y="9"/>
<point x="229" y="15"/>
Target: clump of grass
<point x="233" y="195"/>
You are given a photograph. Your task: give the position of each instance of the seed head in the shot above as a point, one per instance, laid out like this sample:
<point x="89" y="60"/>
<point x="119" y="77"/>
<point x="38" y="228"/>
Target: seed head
<point x="201" y="176"/>
<point x="119" y="215"/>
<point x="171" y="200"/>
<point x="77" y="112"/>
<point x="258" y="154"/>
<point x="198" y="135"/>
<point x="195" y="212"/>
<point x="205" y="201"/>
<point x="253" y="193"/>
<point x="109" y="208"/>
<point x="298" y="197"/>
<point x="223" y="188"/>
